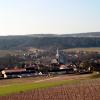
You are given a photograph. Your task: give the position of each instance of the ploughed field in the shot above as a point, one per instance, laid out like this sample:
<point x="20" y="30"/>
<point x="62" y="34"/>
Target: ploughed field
<point x="84" y="90"/>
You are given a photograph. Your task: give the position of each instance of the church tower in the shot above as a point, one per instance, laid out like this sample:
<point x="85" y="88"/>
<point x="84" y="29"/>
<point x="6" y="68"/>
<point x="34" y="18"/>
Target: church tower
<point x="57" y="55"/>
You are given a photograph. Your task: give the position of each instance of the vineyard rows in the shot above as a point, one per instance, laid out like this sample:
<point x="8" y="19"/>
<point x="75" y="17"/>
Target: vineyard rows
<point x="87" y="90"/>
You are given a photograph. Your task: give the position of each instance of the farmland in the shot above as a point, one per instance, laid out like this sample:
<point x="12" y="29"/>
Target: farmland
<point x="10" y="52"/>
<point x="72" y="87"/>
<point x="89" y="90"/>
<point x="91" y="49"/>
<point x="24" y="84"/>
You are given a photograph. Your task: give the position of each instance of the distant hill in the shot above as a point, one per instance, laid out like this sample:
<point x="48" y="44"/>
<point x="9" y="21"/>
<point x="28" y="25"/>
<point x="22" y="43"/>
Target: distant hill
<point x="50" y="41"/>
<point x="90" y="34"/>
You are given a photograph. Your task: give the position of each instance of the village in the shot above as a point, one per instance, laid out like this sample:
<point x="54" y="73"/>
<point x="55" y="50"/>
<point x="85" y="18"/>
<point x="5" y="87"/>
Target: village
<point x="46" y="63"/>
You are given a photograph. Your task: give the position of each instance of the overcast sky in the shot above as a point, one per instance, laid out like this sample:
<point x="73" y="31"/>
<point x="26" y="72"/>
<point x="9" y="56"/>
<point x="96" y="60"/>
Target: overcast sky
<point x="49" y="16"/>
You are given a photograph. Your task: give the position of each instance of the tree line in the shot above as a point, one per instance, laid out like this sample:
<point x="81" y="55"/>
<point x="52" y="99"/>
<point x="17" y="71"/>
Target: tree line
<point x="22" y="42"/>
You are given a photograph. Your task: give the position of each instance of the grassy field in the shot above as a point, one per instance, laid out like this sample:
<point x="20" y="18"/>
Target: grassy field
<point x="54" y="89"/>
<point x="19" y="85"/>
<point x="4" y="90"/>
<point x="91" y="49"/>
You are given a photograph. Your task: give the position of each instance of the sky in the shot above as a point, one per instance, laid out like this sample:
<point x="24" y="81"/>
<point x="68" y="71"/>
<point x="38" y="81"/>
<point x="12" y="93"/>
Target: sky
<point x="19" y="17"/>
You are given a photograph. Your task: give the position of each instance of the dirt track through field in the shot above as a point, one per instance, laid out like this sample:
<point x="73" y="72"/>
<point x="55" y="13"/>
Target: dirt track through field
<point x="9" y="82"/>
<point x="64" y="77"/>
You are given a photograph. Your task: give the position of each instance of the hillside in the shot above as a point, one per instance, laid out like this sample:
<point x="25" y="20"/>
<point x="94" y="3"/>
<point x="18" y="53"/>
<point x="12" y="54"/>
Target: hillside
<point x="90" y="34"/>
<point x="50" y="40"/>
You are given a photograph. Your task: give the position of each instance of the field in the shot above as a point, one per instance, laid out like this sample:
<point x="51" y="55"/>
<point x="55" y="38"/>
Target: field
<point x="20" y="52"/>
<point x="92" y="49"/>
<point x="89" y="90"/>
<point x="10" y="52"/>
<point x="17" y="52"/>
<point x="64" y="87"/>
<point x="24" y="84"/>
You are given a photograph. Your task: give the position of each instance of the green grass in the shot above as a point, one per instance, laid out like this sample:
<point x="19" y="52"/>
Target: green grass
<point x="9" y="89"/>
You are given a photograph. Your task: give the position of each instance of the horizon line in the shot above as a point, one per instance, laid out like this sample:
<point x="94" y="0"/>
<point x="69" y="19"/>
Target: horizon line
<point x="49" y="33"/>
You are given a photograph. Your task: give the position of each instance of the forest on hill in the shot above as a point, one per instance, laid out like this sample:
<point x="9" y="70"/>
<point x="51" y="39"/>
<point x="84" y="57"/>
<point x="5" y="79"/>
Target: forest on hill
<point x="50" y="41"/>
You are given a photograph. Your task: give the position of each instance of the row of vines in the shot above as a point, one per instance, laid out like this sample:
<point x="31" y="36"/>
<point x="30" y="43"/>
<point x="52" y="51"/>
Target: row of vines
<point x="87" y="90"/>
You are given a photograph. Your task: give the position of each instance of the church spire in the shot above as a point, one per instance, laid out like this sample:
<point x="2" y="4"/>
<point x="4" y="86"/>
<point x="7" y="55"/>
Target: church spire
<point x="57" y="54"/>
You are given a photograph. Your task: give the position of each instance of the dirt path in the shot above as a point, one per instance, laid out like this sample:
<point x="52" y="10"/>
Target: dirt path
<point x="64" y="77"/>
<point x="9" y="82"/>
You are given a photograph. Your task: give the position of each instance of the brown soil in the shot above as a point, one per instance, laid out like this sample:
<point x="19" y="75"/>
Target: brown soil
<point x="86" y="90"/>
